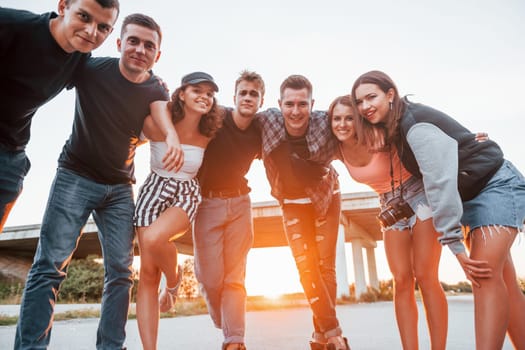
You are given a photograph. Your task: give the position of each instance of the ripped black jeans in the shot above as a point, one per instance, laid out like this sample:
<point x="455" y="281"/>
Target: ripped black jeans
<point x="312" y="240"/>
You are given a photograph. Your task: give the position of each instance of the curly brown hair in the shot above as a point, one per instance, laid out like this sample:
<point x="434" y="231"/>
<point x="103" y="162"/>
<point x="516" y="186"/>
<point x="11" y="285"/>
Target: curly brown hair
<point x="210" y="122"/>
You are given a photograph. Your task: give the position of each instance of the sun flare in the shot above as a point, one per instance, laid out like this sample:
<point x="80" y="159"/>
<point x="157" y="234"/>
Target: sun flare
<point x="273" y="296"/>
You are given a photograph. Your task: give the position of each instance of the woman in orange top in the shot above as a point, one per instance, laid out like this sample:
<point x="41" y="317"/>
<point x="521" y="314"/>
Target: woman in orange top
<point x="411" y="246"/>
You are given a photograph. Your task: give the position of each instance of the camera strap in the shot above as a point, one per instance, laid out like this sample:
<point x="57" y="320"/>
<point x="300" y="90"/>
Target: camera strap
<point x="392" y="183"/>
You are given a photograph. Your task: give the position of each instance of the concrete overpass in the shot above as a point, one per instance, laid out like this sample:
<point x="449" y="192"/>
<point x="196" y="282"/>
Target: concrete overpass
<point x="358" y="226"/>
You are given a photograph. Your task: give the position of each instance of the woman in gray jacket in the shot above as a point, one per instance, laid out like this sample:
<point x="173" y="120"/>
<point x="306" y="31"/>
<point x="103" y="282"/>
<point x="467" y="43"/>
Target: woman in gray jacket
<point x="471" y="189"/>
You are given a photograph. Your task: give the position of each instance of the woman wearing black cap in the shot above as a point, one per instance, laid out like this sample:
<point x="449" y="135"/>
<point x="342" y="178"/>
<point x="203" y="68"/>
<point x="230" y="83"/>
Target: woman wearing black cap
<point x="168" y="199"/>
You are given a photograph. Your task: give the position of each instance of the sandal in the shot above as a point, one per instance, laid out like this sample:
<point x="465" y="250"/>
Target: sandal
<point x="317" y="346"/>
<point x="337" y="343"/>
<point x="168" y="296"/>
<point x="238" y="346"/>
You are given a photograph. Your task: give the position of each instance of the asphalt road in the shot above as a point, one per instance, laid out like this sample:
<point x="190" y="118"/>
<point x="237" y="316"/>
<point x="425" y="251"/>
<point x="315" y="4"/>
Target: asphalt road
<point x="367" y="326"/>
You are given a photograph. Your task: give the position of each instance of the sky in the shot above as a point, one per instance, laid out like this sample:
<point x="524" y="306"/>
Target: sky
<point x="465" y="58"/>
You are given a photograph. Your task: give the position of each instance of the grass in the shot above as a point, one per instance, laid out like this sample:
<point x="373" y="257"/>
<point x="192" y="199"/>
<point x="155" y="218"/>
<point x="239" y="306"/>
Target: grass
<point x="183" y="307"/>
<point x="8" y="320"/>
<point x="197" y="306"/>
<point x="69" y="315"/>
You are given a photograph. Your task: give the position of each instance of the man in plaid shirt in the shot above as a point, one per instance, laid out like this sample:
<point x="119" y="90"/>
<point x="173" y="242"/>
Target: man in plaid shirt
<point x="298" y="147"/>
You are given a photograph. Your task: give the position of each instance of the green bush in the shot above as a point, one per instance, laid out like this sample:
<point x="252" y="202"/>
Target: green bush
<point x="189" y="288"/>
<point x="84" y="282"/>
<point x="10" y="290"/>
<point x="347" y="299"/>
<point x="386" y="290"/>
<point x="521" y="282"/>
<point x="463" y="287"/>
<point x="370" y="296"/>
<point x="446" y="287"/>
<point x="384" y="293"/>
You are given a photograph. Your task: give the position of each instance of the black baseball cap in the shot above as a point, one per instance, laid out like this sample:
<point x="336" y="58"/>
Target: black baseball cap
<point x="198" y="77"/>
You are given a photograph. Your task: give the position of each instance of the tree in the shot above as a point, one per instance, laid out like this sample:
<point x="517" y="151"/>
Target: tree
<point x="189" y="287"/>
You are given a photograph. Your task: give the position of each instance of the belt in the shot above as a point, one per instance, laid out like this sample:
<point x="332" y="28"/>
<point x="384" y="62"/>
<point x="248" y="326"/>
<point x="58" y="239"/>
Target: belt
<point x="8" y="148"/>
<point x="297" y="201"/>
<point x="225" y="193"/>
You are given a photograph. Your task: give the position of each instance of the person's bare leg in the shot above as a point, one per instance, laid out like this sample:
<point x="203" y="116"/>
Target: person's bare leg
<point x="147" y="297"/>
<point x="158" y="255"/>
<point x="427" y="253"/>
<point x="170" y="224"/>
<point x="398" y="249"/>
<point x="491" y="299"/>
<point x="516" y="328"/>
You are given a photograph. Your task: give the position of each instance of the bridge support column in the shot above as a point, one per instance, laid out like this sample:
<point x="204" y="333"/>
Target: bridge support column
<point x="372" y="267"/>
<point x="359" y="268"/>
<point x="340" y="265"/>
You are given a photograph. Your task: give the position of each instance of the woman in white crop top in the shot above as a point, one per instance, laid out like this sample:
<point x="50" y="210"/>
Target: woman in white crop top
<point x="168" y="199"/>
<point x="411" y="244"/>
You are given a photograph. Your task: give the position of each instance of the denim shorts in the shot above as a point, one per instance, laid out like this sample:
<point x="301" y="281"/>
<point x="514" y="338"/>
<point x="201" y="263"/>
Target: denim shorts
<point x="501" y="202"/>
<point x="414" y="195"/>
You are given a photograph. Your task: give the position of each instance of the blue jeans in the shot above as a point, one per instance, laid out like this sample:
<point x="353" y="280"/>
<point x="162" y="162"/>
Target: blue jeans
<point x="223" y="236"/>
<point x="313" y="240"/>
<point x="13" y="169"/>
<point x="72" y="199"/>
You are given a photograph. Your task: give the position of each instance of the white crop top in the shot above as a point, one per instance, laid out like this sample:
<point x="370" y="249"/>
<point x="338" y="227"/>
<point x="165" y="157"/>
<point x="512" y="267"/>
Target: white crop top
<point x="192" y="160"/>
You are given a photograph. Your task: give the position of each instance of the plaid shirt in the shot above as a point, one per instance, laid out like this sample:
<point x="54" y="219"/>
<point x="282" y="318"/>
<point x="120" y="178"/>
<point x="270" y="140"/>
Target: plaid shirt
<point x="322" y="146"/>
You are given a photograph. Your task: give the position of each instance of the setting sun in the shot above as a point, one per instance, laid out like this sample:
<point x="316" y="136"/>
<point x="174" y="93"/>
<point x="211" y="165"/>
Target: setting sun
<point x="273" y="296"/>
<point x="271" y="272"/>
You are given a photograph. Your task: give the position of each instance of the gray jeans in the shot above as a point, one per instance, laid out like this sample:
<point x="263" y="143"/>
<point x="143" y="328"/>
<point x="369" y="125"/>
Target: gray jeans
<point x="223" y="236"/>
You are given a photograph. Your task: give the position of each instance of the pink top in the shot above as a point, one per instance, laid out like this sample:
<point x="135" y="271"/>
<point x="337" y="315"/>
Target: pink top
<point x="376" y="174"/>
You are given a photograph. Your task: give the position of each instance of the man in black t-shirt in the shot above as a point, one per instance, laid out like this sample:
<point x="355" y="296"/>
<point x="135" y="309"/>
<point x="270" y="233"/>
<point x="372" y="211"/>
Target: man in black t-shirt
<point x="95" y="177"/>
<point x="223" y="232"/>
<point x="59" y="42"/>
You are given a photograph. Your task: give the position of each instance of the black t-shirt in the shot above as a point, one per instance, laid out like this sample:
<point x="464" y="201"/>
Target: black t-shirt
<point x="34" y="69"/>
<point x="109" y="115"/>
<point x="296" y="170"/>
<point x="228" y="157"/>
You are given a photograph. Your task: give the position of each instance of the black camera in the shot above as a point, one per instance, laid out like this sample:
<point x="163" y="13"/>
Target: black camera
<point x="396" y="209"/>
